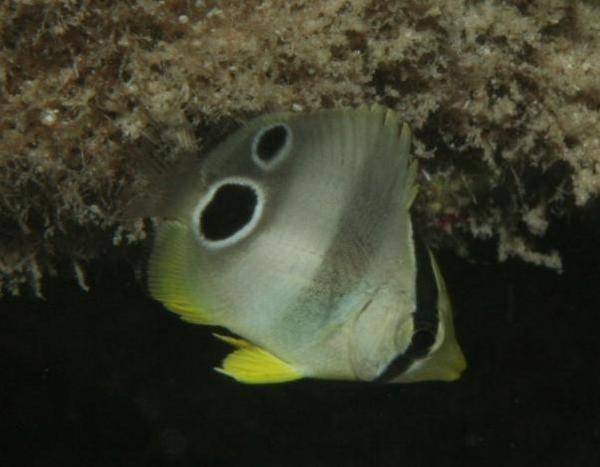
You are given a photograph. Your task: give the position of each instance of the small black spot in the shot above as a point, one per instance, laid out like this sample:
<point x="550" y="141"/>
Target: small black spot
<point x="229" y="210"/>
<point x="271" y="142"/>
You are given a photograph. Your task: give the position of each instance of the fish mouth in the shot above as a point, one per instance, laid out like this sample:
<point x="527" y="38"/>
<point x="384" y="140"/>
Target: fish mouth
<point x="443" y="363"/>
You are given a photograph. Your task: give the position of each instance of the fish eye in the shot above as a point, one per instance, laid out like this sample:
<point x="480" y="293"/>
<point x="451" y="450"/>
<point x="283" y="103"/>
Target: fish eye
<point x="228" y="212"/>
<point x="421" y="343"/>
<point x="271" y="145"/>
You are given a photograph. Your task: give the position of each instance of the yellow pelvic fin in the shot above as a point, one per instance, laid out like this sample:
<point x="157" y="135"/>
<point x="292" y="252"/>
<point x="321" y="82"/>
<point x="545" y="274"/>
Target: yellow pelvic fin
<point x="169" y="272"/>
<point x="251" y="364"/>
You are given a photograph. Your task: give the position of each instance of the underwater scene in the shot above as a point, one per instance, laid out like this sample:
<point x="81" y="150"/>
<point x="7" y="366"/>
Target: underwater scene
<point x="299" y="233"/>
<point x="109" y="377"/>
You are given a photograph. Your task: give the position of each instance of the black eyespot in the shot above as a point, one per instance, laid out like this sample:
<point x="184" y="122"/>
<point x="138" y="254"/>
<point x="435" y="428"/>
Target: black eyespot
<point x="271" y="145"/>
<point x="271" y="142"/>
<point x="230" y="209"/>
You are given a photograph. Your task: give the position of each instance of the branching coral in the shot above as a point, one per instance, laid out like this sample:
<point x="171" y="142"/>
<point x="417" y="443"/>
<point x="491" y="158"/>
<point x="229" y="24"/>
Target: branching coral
<point x="503" y="97"/>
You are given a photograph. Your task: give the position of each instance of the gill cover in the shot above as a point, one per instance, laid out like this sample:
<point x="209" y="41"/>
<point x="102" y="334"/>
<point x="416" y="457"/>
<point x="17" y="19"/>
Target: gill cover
<point x="292" y="229"/>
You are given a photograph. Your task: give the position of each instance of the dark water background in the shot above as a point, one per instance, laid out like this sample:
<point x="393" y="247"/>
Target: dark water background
<point x="109" y="378"/>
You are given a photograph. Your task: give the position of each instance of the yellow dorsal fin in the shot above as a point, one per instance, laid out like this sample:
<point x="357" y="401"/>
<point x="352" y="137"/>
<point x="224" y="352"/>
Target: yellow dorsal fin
<point x="251" y="364"/>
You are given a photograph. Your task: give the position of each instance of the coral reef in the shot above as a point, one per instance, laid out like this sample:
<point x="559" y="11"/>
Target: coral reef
<point x="503" y="98"/>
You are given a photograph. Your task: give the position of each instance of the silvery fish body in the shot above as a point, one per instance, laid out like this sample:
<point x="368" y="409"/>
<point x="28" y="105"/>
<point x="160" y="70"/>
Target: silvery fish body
<point x="295" y="235"/>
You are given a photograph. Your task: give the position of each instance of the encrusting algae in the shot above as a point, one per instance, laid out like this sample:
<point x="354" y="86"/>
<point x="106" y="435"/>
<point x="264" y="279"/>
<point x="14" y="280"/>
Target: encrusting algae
<point x="503" y="98"/>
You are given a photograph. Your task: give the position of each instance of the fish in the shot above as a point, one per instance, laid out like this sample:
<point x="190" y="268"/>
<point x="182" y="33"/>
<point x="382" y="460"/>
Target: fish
<point x="294" y="236"/>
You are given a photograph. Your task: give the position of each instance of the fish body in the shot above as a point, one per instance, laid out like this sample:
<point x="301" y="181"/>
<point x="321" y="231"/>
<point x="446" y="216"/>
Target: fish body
<point x="295" y="234"/>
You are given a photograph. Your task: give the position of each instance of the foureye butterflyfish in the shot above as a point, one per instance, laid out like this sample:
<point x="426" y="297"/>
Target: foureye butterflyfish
<point x="295" y="235"/>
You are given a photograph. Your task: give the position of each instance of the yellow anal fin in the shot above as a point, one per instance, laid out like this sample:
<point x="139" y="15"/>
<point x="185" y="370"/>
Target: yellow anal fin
<point x="190" y="314"/>
<point x="169" y="272"/>
<point x="251" y="364"/>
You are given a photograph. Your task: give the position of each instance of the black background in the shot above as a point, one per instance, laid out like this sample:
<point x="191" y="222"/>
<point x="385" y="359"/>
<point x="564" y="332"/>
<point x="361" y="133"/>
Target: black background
<point x="110" y="378"/>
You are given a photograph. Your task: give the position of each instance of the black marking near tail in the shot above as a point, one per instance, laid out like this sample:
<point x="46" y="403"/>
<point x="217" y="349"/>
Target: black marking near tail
<point x="425" y="317"/>
<point x="271" y="142"/>
<point x="230" y="209"/>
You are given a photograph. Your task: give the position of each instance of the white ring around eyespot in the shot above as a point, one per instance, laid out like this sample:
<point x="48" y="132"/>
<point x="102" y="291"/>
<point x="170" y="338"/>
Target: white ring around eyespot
<point x="281" y="154"/>
<point x="244" y="231"/>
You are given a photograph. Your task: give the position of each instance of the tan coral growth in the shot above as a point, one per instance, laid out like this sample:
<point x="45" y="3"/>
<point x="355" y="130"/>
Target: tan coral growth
<point x="503" y="96"/>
